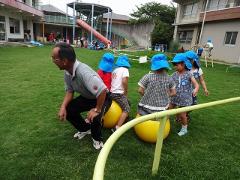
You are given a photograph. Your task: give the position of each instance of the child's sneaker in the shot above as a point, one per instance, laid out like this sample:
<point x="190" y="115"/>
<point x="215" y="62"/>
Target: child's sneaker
<point x="113" y="129"/>
<point x="97" y="144"/>
<point x="81" y="135"/>
<point x="182" y="132"/>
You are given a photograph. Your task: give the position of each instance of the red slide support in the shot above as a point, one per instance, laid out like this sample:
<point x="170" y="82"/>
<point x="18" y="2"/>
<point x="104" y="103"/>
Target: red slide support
<point x="95" y="33"/>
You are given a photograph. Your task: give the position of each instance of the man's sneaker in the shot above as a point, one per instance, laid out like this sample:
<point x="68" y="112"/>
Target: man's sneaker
<point x="97" y="144"/>
<point x="81" y="135"/>
<point x="182" y="132"/>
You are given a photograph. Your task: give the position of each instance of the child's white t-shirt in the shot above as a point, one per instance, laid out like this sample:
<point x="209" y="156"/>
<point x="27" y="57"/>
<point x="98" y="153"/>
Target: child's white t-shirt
<point x="117" y="75"/>
<point x="210" y="45"/>
<point x="196" y="73"/>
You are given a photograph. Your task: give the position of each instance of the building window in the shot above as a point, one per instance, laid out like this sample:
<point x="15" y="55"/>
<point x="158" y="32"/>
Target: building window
<point x="237" y="3"/>
<point x="217" y="4"/>
<point x="2" y="19"/>
<point x="14" y="25"/>
<point x="230" y="38"/>
<point x="190" y="9"/>
<point x="2" y="28"/>
<point x="185" y="36"/>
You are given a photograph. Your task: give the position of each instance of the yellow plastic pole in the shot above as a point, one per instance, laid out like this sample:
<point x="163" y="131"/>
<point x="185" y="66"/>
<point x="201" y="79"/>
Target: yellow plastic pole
<point x="102" y="157"/>
<point x="158" y="149"/>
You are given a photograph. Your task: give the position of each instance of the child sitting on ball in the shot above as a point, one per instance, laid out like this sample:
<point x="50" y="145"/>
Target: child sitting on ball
<point x="156" y="87"/>
<point x="119" y="88"/>
<point x="106" y="68"/>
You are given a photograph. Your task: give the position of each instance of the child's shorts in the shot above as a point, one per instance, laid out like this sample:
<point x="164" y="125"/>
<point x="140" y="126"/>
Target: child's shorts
<point x="122" y="101"/>
<point x="194" y="98"/>
<point x="144" y="111"/>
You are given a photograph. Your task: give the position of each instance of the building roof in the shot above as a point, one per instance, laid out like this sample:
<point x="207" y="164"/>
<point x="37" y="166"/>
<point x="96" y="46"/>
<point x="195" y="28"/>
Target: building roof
<point x="184" y="1"/>
<point x="86" y="8"/>
<point x="116" y="16"/>
<point x="52" y="9"/>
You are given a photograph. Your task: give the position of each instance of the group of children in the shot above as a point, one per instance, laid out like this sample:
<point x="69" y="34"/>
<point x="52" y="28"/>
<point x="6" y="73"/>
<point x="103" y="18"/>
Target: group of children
<point x="159" y="90"/>
<point x="115" y="76"/>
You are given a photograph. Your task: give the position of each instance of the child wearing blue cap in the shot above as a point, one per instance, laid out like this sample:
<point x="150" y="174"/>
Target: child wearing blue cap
<point x="106" y="68"/>
<point x="184" y="81"/>
<point x="119" y="88"/>
<point x="156" y="88"/>
<point x="197" y="72"/>
<point x="199" y="51"/>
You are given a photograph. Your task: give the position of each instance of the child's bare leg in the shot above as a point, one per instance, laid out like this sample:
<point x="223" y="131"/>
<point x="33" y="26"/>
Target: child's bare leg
<point x="122" y="119"/>
<point x="184" y="122"/>
<point x="172" y="106"/>
<point x="178" y="117"/>
<point x="183" y="117"/>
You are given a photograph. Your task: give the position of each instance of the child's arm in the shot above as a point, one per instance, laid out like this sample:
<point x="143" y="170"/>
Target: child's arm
<point x="202" y="82"/>
<point x="172" y="88"/>
<point x="125" y="85"/>
<point x="196" y="86"/>
<point x="141" y="90"/>
<point x="172" y="92"/>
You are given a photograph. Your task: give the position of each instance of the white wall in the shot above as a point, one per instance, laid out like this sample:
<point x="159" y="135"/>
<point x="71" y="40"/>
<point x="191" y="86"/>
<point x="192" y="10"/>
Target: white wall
<point x="15" y="16"/>
<point x="216" y="32"/>
<point x="140" y="33"/>
<point x="19" y="17"/>
<point x="30" y="27"/>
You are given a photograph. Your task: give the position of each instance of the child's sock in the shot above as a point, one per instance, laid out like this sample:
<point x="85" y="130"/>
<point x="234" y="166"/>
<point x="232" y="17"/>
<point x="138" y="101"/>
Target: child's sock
<point x="184" y="127"/>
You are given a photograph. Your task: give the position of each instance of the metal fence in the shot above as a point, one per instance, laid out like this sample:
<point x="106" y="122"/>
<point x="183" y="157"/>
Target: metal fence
<point x="58" y="19"/>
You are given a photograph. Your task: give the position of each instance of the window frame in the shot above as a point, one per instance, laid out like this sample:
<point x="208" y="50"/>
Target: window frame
<point x="14" y="26"/>
<point x="217" y="5"/>
<point x="192" y="13"/>
<point x="231" y="40"/>
<point x="187" y="38"/>
<point x="236" y="3"/>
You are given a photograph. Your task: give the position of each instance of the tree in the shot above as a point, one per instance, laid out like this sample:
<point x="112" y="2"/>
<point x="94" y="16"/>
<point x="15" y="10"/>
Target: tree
<point x="161" y="15"/>
<point x="162" y="33"/>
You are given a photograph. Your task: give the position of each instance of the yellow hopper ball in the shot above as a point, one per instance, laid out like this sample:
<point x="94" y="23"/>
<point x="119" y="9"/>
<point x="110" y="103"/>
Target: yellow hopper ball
<point x="111" y="117"/>
<point x="147" y="131"/>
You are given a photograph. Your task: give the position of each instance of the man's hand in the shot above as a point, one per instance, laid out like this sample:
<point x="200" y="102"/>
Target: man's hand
<point x="62" y="114"/>
<point x="92" y="114"/>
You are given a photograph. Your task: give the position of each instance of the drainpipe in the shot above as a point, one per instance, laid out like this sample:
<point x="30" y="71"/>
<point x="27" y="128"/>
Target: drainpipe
<point x="92" y="23"/>
<point x="74" y="21"/>
<point x="204" y="17"/>
<point x="110" y="31"/>
<point x="107" y="24"/>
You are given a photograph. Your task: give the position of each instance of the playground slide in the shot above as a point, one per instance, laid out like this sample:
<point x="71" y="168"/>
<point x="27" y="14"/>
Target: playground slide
<point x="99" y="36"/>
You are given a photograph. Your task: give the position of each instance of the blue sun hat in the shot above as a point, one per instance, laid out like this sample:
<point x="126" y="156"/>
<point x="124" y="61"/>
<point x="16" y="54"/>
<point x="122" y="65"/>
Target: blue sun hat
<point x="209" y="40"/>
<point x="159" y="61"/>
<point x="181" y="57"/>
<point x="106" y="63"/>
<point x="123" y="61"/>
<point x="191" y="55"/>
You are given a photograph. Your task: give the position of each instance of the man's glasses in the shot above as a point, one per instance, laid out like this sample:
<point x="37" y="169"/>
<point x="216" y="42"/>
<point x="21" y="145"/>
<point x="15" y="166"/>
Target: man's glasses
<point x="55" y="59"/>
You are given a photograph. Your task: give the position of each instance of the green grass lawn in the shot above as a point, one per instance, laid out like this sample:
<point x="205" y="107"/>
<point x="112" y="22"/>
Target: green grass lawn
<point x="34" y="144"/>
